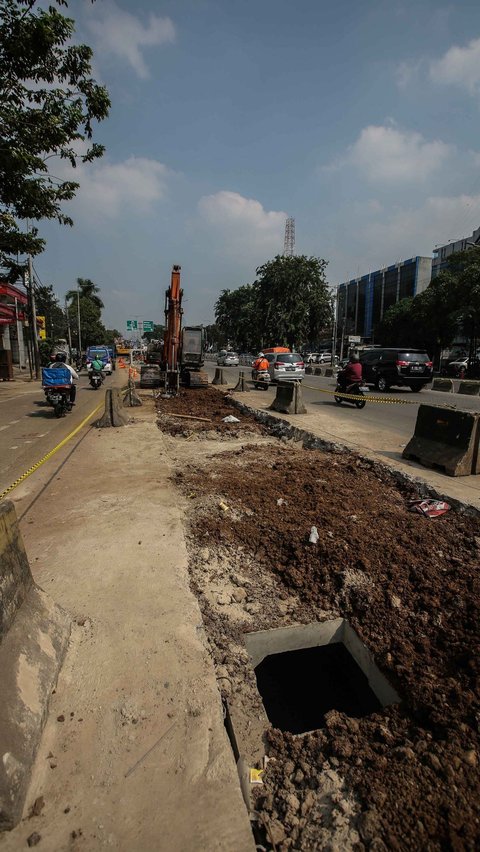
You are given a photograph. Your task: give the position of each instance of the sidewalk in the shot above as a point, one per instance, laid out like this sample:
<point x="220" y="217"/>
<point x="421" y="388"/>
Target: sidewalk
<point x="134" y="755"/>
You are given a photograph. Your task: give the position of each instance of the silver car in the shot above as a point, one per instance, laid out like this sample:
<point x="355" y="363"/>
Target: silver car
<point x="228" y="359"/>
<point x="287" y="366"/>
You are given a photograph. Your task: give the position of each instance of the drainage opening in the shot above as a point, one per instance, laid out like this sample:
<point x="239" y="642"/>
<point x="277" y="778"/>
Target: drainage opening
<point x="304" y="672"/>
<point x="299" y="687"/>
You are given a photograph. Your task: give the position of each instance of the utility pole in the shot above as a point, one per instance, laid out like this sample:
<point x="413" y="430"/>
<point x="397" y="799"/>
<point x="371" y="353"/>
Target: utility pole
<point x="33" y="311"/>
<point x="334" y="326"/>
<point x="68" y="330"/>
<point x="78" y="319"/>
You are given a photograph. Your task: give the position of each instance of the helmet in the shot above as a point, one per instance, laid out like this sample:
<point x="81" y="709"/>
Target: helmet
<point x="60" y="356"/>
<point x="354" y="356"/>
<point x="261" y="355"/>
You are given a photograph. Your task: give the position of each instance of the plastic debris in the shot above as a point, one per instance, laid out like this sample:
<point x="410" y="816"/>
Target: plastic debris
<point x="281" y="501"/>
<point x="230" y="419"/>
<point x="223" y="506"/>
<point x="256" y="775"/>
<point x="429" y="508"/>
<point x="313" y="535"/>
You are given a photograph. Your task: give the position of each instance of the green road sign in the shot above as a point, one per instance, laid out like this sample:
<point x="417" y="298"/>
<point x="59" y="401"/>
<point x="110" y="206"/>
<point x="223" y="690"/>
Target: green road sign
<point x="147" y="325"/>
<point x="132" y="325"/>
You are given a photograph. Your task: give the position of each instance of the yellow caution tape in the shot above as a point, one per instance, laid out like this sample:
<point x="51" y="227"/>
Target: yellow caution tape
<point x="385" y="399"/>
<point x="49" y="455"/>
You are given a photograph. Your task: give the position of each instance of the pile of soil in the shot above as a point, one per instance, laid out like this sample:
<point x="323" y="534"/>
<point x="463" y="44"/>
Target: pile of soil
<point x="405" y="777"/>
<point x="209" y="404"/>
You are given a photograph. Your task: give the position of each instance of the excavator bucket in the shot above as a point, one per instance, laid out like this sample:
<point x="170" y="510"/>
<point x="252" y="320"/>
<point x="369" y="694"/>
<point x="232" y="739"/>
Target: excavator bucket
<point x="195" y="378"/>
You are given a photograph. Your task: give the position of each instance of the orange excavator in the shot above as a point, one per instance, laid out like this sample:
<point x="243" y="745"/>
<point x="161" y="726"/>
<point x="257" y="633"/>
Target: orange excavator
<point x="182" y="355"/>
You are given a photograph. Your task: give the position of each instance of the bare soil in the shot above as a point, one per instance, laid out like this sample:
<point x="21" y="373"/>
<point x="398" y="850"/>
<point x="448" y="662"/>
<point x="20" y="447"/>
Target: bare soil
<point x="402" y="778"/>
<point x="204" y="403"/>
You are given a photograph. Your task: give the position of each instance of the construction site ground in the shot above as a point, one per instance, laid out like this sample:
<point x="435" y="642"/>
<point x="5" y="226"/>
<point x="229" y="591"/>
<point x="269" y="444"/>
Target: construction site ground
<point x="170" y="540"/>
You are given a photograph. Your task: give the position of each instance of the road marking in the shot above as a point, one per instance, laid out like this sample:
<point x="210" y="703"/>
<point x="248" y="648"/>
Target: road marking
<point x="12" y="422"/>
<point x="48" y="455"/>
<point x="4" y="427"/>
<point x="19" y="396"/>
<point x="15" y="447"/>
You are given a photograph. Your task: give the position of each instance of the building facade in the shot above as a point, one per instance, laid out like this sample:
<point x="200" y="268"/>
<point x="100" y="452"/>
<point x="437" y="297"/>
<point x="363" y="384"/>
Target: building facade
<point x="442" y="253"/>
<point x="13" y="322"/>
<point x="362" y="302"/>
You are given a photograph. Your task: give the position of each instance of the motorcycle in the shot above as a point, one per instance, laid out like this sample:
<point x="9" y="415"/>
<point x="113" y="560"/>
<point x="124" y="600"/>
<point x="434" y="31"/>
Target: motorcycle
<point x="354" y="390"/>
<point x="59" y="397"/>
<point x="96" y="379"/>
<point x="261" y="379"/>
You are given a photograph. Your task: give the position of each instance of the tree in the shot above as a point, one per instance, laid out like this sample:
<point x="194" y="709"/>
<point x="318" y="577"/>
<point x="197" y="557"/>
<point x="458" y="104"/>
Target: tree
<point x="92" y="329"/>
<point x="237" y="318"/>
<point x="48" y="306"/>
<point x="293" y="303"/>
<point x="86" y="289"/>
<point x="48" y="104"/>
<point x="110" y="335"/>
<point x="156" y="334"/>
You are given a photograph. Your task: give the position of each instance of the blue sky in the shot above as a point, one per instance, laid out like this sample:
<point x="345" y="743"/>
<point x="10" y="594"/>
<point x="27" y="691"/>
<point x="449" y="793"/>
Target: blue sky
<point x="360" y="118"/>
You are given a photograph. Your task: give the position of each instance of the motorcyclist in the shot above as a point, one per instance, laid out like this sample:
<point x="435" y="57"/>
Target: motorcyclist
<point x="61" y="361"/>
<point x="260" y="364"/>
<point x="97" y="364"/>
<point x="352" y="373"/>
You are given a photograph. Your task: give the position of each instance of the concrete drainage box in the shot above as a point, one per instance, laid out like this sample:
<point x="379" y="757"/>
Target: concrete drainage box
<point x="303" y="672"/>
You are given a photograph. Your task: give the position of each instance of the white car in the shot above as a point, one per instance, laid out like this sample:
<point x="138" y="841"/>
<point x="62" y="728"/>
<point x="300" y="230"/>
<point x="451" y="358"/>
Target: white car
<point x="228" y="359"/>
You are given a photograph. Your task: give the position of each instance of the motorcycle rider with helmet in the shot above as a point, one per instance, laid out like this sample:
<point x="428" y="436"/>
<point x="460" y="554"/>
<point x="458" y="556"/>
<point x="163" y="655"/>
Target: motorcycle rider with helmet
<point x="352" y="373"/>
<point x="61" y="361"/>
<point x="260" y="364"/>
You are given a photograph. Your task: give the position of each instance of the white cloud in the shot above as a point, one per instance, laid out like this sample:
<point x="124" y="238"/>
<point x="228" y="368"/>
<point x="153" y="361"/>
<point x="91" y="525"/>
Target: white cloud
<point x="410" y="231"/>
<point x="108" y="189"/>
<point x="242" y="225"/>
<point x="123" y="35"/>
<point x="459" y="65"/>
<point x="388" y="154"/>
<point x="406" y="73"/>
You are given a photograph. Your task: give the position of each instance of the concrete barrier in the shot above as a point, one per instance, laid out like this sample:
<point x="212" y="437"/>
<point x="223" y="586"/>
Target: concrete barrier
<point x="112" y="415"/>
<point x="289" y="399"/>
<point x="443" y="385"/>
<point x="329" y="371"/>
<point x="308" y="370"/>
<point x="446" y="438"/>
<point x="34" y="634"/>
<point x="218" y="378"/>
<point x="241" y="385"/>
<point x="318" y="371"/>
<point x="470" y="388"/>
<point x="150" y="376"/>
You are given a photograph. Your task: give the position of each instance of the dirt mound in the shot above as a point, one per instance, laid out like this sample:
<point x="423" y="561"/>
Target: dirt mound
<point x="200" y="411"/>
<point x="407" y="776"/>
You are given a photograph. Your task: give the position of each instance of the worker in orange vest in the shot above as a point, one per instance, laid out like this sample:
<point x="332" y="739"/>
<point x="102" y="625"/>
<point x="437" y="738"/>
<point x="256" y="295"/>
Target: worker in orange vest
<point x="260" y="363"/>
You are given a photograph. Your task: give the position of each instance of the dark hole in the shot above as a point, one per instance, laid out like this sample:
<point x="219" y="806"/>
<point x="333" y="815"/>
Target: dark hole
<point x="299" y="687"/>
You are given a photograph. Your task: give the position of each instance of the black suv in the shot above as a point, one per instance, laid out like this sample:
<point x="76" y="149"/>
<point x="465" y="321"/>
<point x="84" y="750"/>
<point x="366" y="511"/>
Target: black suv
<point x="396" y="366"/>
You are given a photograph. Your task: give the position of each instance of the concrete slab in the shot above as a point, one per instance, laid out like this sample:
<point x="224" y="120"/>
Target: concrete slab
<point x="34" y="634"/>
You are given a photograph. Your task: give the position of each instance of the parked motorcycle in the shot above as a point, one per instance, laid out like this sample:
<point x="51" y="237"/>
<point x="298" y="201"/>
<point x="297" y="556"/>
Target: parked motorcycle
<point x="261" y="379"/>
<point x="354" y="390"/>
<point x="96" y="379"/>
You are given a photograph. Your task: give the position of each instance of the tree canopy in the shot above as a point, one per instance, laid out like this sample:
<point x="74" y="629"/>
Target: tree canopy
<point x="449" y="306"/>
<point x="48" y="105"/>
<point x="288" y="304"/>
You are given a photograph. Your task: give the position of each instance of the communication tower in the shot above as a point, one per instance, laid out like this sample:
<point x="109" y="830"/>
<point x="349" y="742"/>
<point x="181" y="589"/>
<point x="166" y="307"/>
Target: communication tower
<point x="289" y="242"/>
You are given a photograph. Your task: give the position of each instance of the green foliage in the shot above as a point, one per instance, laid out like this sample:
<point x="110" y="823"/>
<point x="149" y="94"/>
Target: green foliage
<point x="110" y="335"/>
<point x="213" y="336"/>
<point x="450" y="305"/>
<point x="87" y="290"/>
<point x="156" y="334"/>
<point x="293" y="300"/>
<point x="92" y="329"/>
<point x="288" y="304"/>
<point x="48" y="306"/>
<point x="48" y="103"/>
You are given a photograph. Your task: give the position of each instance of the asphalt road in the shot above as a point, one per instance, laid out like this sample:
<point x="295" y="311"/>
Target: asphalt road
<point x="398" y="419"/>
<point x="29" y="428"/>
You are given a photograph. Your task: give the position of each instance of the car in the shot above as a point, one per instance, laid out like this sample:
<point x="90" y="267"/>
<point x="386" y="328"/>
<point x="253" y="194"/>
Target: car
<point x="455" y="368"/>
<point x="228" y="359"/>
<point x="286" y="366"/>
<point x="312" y="357"/>
<point x="400" y="366"/>
<point x="103" y="354"/>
